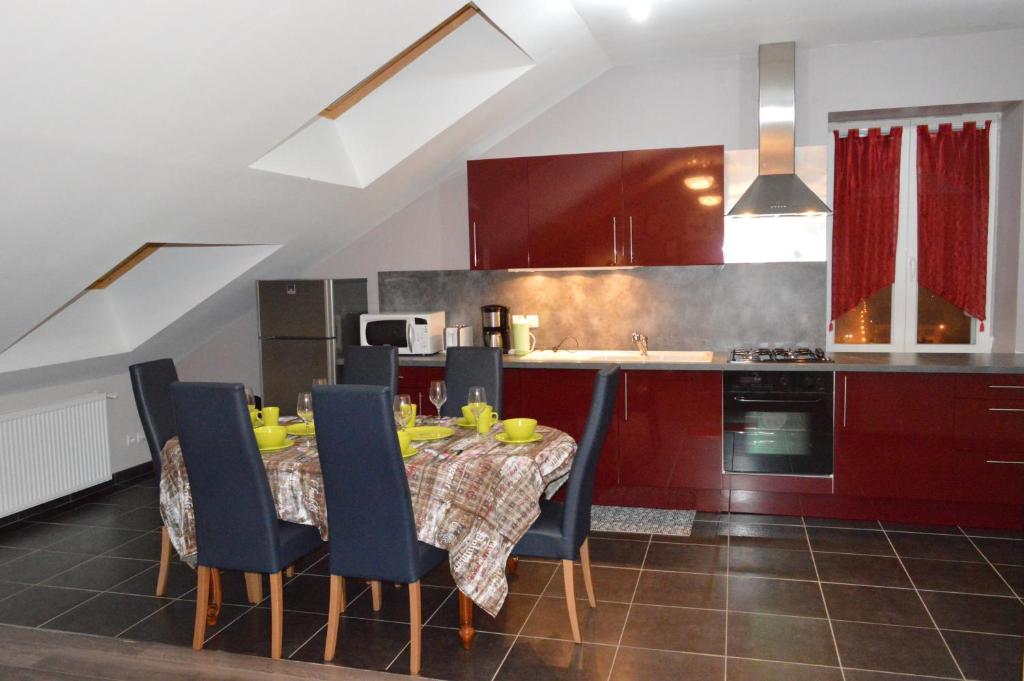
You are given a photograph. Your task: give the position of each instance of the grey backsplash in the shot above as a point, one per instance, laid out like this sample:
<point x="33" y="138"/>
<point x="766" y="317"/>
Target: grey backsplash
<point x="679" y="308"/>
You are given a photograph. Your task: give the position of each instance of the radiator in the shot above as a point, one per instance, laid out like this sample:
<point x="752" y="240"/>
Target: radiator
<point x="53" y="450"/>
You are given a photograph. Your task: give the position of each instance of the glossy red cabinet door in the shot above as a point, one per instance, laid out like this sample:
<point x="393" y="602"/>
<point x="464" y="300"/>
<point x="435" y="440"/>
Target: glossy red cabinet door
<point x="670" y="434"/>
<point x="415" y="382"/>
<point x="895" y="435"/>
<point x="498" y="213"/>
<point x="561" y="398"/>
<point x="672" y="203"/>
<point x="575" y="206"/>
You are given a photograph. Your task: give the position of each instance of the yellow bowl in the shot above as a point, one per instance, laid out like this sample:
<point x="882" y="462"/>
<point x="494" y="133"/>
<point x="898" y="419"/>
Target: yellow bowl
<point x="270" y="436"/>
<point x="520" y="429"/>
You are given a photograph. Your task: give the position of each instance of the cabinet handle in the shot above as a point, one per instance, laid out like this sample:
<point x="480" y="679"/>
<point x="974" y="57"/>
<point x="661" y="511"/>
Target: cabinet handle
<point x="1011" y="387"/>
<point x="630" y="238"/>
<point x="1004" y="409"/>
<point x="1011" y="463"/>
<point x="615" y="243"/>
<point x="844" y="400"/>
<point x="476" y="260"/>
<point x="625" y="394"/>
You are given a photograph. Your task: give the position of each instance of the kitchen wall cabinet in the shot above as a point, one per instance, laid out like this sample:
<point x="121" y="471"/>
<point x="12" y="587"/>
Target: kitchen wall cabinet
<point x="670" y="430"/>
<point x="894" y="435"/>
<point x="574" y="206"/>
<point x="672" y="206"/>
<point x="498" y="213"/>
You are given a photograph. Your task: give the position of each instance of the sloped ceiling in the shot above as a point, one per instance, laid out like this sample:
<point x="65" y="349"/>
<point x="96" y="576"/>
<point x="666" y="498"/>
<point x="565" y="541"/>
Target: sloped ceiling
<point x="128" y="122"/>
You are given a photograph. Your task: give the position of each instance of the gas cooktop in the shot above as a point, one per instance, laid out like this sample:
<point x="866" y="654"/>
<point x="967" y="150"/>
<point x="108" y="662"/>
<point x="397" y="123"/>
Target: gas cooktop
<point x="779" y="355"/>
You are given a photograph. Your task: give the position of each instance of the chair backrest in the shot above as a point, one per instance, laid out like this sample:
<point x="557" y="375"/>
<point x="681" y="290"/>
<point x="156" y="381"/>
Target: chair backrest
<point x="579" y="491"/>
<point x="236" y="522"/>
<point x="151" y="383"/>
<point x="369" y="508"/>
<point x="371" y="365"/>
<point x="468" y="367"/>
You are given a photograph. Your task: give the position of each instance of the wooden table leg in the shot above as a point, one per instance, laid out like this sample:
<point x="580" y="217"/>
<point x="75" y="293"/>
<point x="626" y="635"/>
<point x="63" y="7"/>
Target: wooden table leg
<point x="216" y="598"/>
<point x="512" y="565"/>
<point x="466" y="631"/>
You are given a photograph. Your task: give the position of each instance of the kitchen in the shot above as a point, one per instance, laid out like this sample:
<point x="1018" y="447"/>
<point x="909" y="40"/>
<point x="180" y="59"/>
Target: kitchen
<point x="826" y="426"/>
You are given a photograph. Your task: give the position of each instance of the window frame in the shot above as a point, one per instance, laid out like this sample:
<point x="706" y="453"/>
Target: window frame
<point x="903" y="334"/>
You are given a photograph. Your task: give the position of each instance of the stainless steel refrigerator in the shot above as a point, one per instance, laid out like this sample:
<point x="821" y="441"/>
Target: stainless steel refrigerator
<point x="298" y="338"/>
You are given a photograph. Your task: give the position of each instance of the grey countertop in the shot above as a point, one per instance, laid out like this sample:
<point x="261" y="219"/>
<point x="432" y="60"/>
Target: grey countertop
<point x="1004" y="363"/>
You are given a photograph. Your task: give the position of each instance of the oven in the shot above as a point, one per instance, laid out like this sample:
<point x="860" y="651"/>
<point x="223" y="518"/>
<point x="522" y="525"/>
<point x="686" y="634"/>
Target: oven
<point x="778" y="422"/>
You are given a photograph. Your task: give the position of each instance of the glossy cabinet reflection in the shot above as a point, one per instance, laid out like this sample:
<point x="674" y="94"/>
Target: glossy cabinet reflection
<point x="498" y="214"/>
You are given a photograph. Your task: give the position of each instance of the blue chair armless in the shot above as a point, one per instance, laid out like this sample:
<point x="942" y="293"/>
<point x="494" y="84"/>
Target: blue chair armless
<point x="369" y="507"/>
<point x="468" y="367"/>
<point x="236" y="522"/>
<point x="371" y="365"/>
<point x="561" y="530"/>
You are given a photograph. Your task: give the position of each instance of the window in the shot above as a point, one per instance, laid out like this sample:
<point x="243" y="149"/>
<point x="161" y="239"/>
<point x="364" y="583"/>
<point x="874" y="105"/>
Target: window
<point x="907" y="317"/>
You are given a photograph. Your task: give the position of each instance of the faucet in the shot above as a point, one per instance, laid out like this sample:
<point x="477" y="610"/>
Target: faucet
<point x="641" y="342"/>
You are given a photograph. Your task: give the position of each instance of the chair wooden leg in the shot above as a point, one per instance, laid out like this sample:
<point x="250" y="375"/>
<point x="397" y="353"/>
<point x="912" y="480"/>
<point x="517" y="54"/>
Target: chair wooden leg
<point x="375" y="594"/>
<point x="512" y="566"/>
<point x="202" y="598"/>
<point x="216" y="598"/>
<point x="415" y="627"/>
<point x="276" y="614"/>
<point x="334" y="610"/>
<point x="587" y="579"/>
<point x="254" y="587"/>
<point x="289" y="571"/>
<point x="165" y="561"/>
<point x="570" y="599"/>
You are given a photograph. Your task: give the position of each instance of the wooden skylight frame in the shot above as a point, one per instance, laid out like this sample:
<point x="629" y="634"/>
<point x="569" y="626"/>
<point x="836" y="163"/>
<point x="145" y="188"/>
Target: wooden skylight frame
<point x="122" y="268"/>
<point x="400" y="61"/>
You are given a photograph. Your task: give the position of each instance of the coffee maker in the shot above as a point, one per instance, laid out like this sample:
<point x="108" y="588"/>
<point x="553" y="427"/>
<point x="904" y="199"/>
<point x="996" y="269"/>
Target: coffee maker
<point x="495" y="321"/>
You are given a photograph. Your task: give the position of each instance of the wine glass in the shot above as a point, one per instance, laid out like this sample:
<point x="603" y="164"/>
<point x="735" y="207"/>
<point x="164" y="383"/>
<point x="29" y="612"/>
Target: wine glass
<point x="438" y="396"/>
<point x="304" y="410"/>
<point x="477" y="401"/>
<point x="402" y="406"/>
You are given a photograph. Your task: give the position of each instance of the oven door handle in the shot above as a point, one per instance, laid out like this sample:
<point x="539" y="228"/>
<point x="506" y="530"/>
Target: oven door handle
<point x="748" y="400"/>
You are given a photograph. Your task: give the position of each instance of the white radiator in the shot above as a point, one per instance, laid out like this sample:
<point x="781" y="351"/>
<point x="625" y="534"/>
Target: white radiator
<point x="50" y="451"/>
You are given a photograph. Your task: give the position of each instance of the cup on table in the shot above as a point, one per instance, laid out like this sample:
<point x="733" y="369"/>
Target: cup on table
<point x="409" y="412"/>
<point x="269" y="415"/>
<point x="254" y="416"/>
<point x="404" y="441"/>
<point x="486" y="418"/>
<point x="520" y="429"/>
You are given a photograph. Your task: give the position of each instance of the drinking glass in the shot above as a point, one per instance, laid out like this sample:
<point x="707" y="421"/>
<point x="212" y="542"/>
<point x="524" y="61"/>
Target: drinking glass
<point x="477" y="401"/>
<point x="438" y="396"/>
<point x="304" y="410"/>
<point x="402" y="407"/>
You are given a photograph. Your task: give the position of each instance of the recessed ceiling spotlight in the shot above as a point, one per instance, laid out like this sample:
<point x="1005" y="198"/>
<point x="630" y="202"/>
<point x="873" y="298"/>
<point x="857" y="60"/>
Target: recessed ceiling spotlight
<point x="638" y="10"/>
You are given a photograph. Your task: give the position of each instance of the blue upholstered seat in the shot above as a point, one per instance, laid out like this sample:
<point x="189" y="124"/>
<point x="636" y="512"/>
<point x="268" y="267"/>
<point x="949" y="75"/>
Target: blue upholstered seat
<point x="468" y="367"/>
<point x="371" y="365"/>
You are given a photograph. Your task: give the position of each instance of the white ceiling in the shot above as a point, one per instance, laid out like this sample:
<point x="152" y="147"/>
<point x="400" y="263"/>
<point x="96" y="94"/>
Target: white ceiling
<point x="678" y="29"/>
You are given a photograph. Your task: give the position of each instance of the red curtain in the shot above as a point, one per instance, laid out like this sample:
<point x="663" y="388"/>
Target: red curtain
<point x="865" y="218"/>
<point x="952" y="214"/>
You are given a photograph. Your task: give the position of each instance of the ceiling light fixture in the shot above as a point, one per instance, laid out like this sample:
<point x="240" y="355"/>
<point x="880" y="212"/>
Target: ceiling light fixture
<point x="639" y="10"/>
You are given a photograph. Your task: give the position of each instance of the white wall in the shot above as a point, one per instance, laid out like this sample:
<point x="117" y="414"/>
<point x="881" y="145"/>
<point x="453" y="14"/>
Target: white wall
<point x="706" y="101"/>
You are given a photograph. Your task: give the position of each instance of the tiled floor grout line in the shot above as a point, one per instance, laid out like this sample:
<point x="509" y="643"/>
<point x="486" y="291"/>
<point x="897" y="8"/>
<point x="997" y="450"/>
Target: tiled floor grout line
<point x="519" y="632"/>
<point x="629" y="609"/>
<point x="728" y="568"/>
<point x="1019" y="596"/>
<point x="429" y="617"/>
<point x="926" y="609"/>
<point x="824" y="602"/>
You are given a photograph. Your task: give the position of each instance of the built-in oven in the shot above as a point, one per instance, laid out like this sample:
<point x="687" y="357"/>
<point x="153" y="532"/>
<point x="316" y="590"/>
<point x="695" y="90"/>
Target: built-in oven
<point x="777" y="422"/>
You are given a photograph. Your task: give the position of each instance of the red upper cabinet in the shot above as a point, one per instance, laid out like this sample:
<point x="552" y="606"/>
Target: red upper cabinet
<point x="498" y="213"/>
<point x="575" y="210"/>
<point x="672" y="202"/>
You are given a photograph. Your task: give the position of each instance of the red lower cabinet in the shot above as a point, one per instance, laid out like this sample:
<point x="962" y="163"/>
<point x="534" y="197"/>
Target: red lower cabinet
<point x="989" y="436"/>
<point x="415" y="382"/>
<point x="894" y="435"/>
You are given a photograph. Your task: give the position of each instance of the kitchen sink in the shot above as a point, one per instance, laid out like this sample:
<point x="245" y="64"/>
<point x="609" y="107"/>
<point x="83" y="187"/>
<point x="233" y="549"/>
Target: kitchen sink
<point x="620" y="356"/>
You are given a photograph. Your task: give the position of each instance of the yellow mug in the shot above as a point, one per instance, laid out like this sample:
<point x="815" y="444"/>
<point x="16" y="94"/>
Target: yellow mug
<point x="269" y="415"/>
<point x="488" y="417"/>
<point x="409" y="412"/>
<point x="404" y="441"/>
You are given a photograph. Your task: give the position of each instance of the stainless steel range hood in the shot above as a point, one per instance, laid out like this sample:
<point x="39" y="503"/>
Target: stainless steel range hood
<point x="777" y="189"/>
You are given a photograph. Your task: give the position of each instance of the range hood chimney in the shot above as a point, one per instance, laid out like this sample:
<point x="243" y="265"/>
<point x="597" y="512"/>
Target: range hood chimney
<point x="777" y="189"/>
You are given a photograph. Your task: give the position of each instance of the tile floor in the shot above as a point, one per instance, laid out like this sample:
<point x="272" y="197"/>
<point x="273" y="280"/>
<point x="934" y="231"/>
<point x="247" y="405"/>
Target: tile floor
<point x="744" y="598"/>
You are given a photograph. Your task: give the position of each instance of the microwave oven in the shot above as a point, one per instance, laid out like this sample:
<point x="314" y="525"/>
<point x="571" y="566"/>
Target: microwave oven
<point x="413" y="333"/>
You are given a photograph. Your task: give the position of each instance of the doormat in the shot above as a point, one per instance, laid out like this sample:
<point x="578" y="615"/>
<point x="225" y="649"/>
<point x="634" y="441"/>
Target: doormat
<point x="641" y="520"/>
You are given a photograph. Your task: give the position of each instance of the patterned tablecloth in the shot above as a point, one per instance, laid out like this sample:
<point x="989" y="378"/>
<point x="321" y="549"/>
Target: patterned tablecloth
<point x="472" y="496"/>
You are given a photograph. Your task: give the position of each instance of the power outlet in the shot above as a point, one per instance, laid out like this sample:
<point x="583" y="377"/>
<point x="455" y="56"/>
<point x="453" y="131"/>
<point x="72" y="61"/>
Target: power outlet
<point x="134" y="438"/>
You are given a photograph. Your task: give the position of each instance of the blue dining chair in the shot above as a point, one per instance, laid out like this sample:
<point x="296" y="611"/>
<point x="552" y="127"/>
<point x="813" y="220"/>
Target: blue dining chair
<point x="371" y="365"/>
<point x="468" y="367"/>
<point x="236" y="522"/>
<point x="369" y="507"/>
<point x="561" y="530"/>
<point x="151" y="383"/>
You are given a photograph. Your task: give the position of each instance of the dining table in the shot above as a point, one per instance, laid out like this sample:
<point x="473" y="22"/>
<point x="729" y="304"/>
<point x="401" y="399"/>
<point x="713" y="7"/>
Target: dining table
<point x="472" y="496"/>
